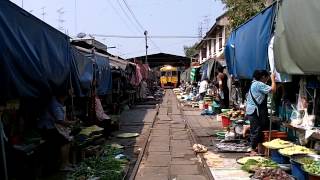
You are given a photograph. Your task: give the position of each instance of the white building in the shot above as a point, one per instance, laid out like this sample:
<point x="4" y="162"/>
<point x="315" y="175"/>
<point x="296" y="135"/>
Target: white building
<point x="213" y="43"/>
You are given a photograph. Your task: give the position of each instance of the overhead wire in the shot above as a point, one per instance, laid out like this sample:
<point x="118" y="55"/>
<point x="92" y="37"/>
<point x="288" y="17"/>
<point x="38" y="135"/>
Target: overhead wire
<point x="139" y="24"/>
<point x="170" y="45"/>
<point x="132" y="14"/>
<point x="155" y="36"/>
<point x="122" y="19"/>
<point x="133" y="28"/>
<point x="128" y="17"/>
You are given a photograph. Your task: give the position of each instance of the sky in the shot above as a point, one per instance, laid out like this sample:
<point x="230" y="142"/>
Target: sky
<point x="112" y="17"/>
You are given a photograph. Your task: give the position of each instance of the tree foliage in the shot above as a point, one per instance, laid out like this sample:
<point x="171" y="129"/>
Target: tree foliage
<point x="190" y="51"/>
<point x="239" y="11"/>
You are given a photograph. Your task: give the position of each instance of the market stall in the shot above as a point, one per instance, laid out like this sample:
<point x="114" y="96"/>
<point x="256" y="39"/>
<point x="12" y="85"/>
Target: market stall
<point x="293" y="109"/>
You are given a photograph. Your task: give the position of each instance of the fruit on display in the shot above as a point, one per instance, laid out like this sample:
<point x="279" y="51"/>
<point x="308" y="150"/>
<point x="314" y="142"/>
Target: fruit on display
<point x="296" y="149"/>
<point x="268" y="173"/>
<point x="252" y="165"/>
<point x="278" y="144"/>
<point x="234" y="114"/>
<point x="243" y="160"/>
<point x="312" y="168"/>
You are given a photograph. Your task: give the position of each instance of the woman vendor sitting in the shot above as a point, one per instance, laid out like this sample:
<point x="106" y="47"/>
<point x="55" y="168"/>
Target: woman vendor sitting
<point x="256" y="110"/>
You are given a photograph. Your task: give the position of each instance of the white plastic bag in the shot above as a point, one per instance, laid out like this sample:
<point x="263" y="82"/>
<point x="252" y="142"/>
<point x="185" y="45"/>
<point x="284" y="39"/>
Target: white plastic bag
<point x="308" y="120"/>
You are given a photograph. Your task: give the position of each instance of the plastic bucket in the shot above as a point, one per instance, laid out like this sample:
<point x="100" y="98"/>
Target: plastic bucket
<point x="297" y="172"/>
<point x="279" y="158"/>
<point x="226" y="122"/>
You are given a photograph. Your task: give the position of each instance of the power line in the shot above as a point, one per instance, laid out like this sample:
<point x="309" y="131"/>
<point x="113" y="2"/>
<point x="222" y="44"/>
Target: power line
<point x="133" y="15"/>
<point x="128" y="17"/>
<point x="122" y="19"/>
<point x="170" y="45"/>
<point x="139" y="37"/>
<point x="142" y="28"/>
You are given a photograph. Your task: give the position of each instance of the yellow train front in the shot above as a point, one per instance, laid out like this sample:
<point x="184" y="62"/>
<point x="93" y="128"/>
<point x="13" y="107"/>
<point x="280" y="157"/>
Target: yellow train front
<point x="169" y="77"/>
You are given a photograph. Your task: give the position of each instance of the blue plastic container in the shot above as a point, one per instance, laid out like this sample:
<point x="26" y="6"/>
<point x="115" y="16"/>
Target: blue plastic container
<point x="279" y="158"/>
<point x="297" y="172"/>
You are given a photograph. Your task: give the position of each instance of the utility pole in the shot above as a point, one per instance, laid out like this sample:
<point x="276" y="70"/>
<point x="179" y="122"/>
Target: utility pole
<point x="146" y="38"/>
<point x="60" y="20"/>
<point x="206" y="23"/>
<point x="43" y="13"/>
<point x="22" y="4"/>
<point x="200" y="30"/>
<point x="75" y="17"/>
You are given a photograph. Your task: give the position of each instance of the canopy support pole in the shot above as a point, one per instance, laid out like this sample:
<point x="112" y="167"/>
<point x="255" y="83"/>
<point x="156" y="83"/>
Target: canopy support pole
<point x="4" y="158"/>
<point x="72" y="100"/>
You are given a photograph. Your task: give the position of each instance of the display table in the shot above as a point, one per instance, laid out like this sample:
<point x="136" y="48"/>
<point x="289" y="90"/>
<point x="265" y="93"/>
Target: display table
<point x="315" y="135"/>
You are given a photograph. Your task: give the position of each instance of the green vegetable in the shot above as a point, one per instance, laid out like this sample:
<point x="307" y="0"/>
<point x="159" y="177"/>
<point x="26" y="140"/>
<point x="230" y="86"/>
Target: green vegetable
<point x="313" y="168"/>
<point x="252" y="165"/>
<point x="104" y="167"/>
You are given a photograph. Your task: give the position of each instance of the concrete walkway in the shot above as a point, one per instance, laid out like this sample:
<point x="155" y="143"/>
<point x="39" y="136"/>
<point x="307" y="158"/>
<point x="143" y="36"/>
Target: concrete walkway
<point x="169" y="153"/>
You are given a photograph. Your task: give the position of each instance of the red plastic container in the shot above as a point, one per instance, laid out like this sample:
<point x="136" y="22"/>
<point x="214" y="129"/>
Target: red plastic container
<point x="226" y="122"/>
<point x="206" y="106"/>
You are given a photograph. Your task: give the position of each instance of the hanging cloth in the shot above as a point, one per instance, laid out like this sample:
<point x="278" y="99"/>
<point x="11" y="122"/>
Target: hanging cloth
<point x="280" y="77"/>
<point x="210" y="67"/>
<point x="302" y="98"/>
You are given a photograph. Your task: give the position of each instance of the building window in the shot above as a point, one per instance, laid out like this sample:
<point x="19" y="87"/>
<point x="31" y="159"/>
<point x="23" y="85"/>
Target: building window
<point x="204" y="53"/>
<point x="220" y="40"/>
<point x="214" y="46"/>
<point x="209" y="46"/>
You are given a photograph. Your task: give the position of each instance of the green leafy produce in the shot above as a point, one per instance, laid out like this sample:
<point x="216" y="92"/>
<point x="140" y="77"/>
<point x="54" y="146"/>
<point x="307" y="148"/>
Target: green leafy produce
<point x="313" y="168"/>
<point x="104" y="167"/>
<point x="252" y="165"/>
<point x="245" y="159"/>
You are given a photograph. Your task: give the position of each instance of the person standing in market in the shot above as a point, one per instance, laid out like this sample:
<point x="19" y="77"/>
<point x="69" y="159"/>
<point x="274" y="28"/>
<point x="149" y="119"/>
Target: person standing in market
<point x="223" y="88"/>
<point x="53" y="126"/>
<point x="257" y="110"/>
<point x="203" y="88"/>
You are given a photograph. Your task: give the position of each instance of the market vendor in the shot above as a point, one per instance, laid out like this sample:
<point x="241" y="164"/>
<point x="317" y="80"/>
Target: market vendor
<point x="104" y="120"/>
<point x="203" y="88"/>
<point x="223" y="88"/>
<point x="54" y="128"/>
<point x="256" y="110"/>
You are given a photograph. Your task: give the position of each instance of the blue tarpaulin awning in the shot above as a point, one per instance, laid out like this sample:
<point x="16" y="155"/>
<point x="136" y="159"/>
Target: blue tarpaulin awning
<point x="82" y="73"/>
<point x="104" y="75"/>
<point x="247" y="47"/>
<point x="92" y="67"/>
<point x="35" y="58"/>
